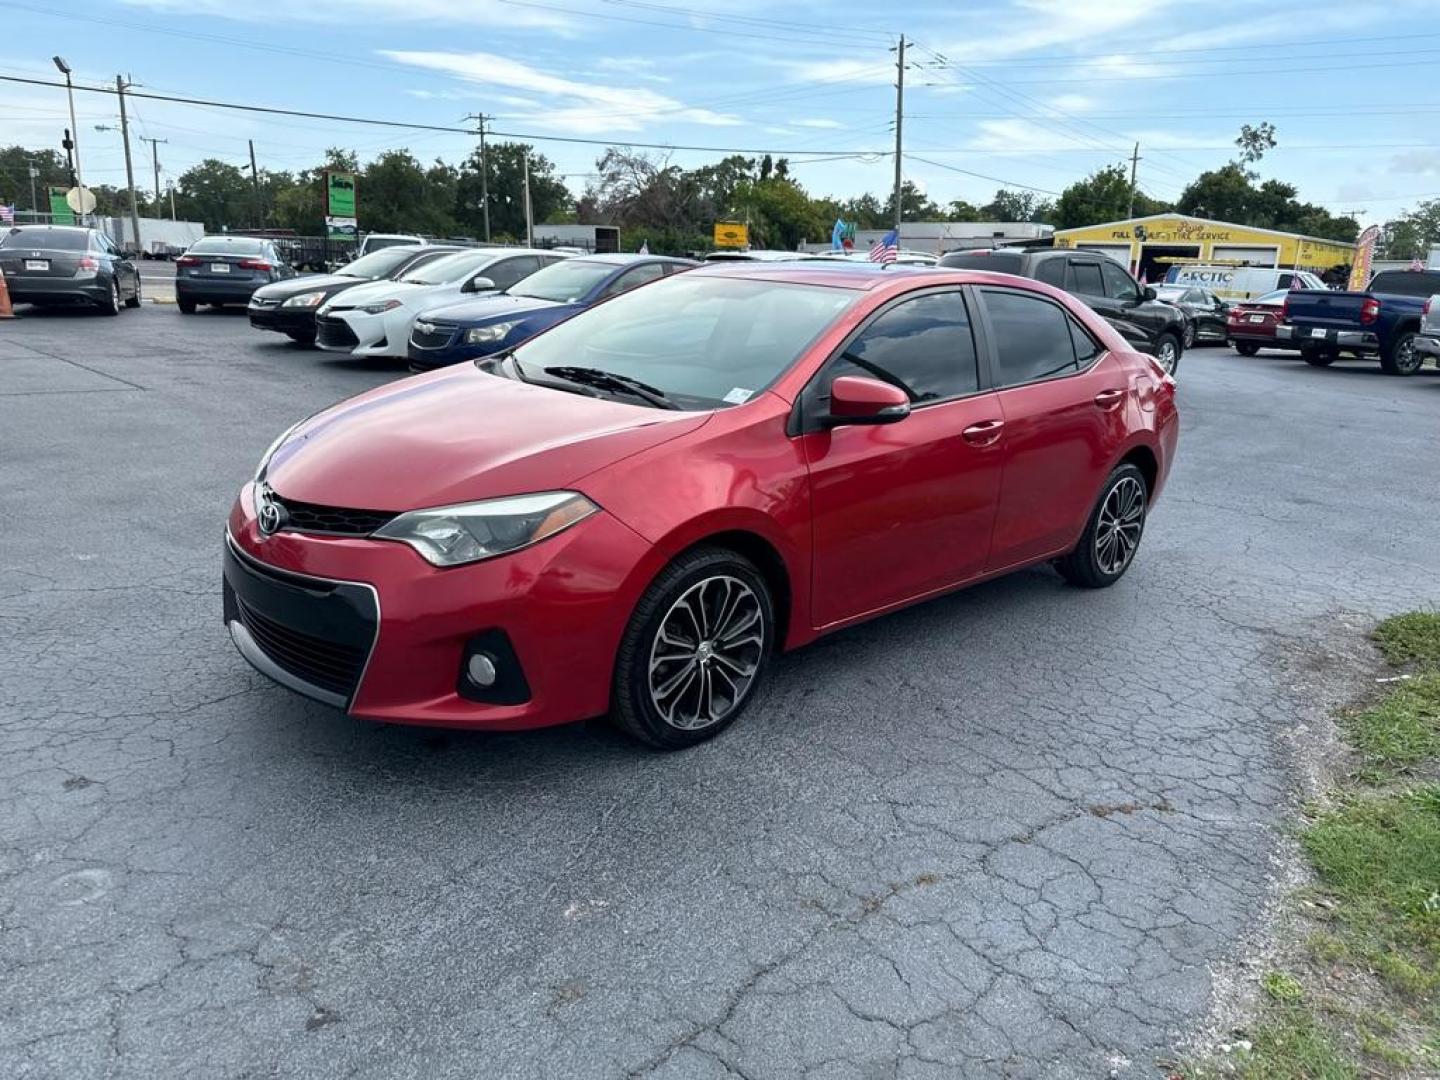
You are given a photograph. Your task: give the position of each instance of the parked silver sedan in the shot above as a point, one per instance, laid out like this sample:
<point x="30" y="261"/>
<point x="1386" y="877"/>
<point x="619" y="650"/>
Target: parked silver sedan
<point x="66" y="264"/>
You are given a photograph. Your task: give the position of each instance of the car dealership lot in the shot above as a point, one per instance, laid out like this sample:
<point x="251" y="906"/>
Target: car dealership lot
<point x="1010" y="831"/>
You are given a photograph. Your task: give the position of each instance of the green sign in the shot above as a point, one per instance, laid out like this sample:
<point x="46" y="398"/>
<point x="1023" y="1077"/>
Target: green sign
<point x="60" y="211"/>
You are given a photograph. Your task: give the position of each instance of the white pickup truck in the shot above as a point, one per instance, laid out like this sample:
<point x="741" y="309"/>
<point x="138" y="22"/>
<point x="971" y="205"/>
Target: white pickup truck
<point x="1427" y="343"/>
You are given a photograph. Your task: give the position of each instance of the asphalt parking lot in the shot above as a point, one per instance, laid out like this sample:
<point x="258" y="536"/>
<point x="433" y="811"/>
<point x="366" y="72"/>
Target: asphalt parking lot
<point x="1010" y="832"/>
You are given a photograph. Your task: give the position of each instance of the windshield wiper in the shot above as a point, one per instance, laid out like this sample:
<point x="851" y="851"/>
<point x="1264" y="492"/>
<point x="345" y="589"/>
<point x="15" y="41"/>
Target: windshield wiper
<point x="614" y="382"/>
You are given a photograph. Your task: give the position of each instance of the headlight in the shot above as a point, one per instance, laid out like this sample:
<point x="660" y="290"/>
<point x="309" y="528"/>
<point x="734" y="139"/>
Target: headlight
<point x="270" y="452"/>
<point x="490" y="335"/>
<point x="305" y="299"/>
<point x="380" y="308"/>
<point x="452" y="535"/>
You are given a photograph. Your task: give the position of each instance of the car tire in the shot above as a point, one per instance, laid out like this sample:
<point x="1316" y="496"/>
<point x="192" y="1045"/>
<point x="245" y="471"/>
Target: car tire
<point x="300" y="337"/>
<point x="187" y="307"/>
<point x="1246" y="348"/>
<point x="1112" y="535"/>
<point x="1399" y="357"/>
<point x="1167" y="351"/>
<point x="1319" y="357"/>
<point x="112" y="304"/>
<point x="666" y="662"/>
<point x="1188" y="341"/>
<point x="134" y="301"/>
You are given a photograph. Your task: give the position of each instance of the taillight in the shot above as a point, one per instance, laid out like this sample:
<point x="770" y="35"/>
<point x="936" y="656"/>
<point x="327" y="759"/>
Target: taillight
<point x="1369" y="310"/>
<point x="89" y="262"/>
<point x="187" y="260"/>
<point x="1285" y="310"/>
<point x="254" y="264"/>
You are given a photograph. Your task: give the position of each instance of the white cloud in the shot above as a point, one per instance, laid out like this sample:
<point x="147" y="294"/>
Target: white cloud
<point x="817" y="122"/>
<point x="1071" y="103"/>
<point x="1052" y="24"/>
<point x="361" y="12"/>
<point x="577" y="106"/>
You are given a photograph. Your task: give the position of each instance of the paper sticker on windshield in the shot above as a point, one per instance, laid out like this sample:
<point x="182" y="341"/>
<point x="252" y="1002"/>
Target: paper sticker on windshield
<point x="738" y="396"/>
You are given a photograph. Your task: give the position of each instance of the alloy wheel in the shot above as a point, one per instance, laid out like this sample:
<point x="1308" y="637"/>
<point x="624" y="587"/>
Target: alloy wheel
<point x="1169" y="354"/>
<point x="1407" y="360"/>
<point x="115" y="297"/>
<point x="1117" y="533"/>
<point x="706" y="653"/>
<point x="1189" y="335"/>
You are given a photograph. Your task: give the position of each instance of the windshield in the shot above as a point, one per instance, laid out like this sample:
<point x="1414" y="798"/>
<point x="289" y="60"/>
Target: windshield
<point x="48" y="239"/>
<point x="704" y="342"/>
<point x="564" y="282"/>
<point x="375" y="243"/>
<point x="221" y="245"/>
<point x="378" y="264"/>
<point x="450" y="269"/>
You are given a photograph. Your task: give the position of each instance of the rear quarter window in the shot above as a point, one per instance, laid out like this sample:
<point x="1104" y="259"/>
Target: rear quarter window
<point x="997" y="262"/>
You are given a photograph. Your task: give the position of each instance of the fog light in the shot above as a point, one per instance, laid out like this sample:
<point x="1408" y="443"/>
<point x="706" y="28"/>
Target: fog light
<point x="481" y="670"/>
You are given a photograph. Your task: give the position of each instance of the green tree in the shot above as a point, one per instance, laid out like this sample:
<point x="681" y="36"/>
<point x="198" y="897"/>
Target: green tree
<point x="960" y="210"/>
<point x="1104" y="195"/>
<point x="396" y="194"/>
<point x="1413" y="233"/>
<point x="216" y="193"/>
<point x="1017" y="206"/>
<point x="506" y="183"/>
<point x="915" y="205"/>
<point x="1255" y="141"/>
<point x="15" y="162"/>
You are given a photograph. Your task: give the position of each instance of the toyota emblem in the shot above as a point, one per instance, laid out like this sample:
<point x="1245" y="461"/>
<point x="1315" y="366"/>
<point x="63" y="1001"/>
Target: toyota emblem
<point x="270" y="514"/>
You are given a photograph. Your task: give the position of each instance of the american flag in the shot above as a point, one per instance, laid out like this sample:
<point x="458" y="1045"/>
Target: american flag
<point x="886" y="248"/>
<point x="1416" y="264"/>
<point x="7" y="214"/>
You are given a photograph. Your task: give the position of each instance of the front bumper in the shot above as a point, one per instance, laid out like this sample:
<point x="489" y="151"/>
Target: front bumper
<point x="561" y="606"/>
<point x="284" y="320"/>
<point x="361" y="333"/>
<point x="1326" y="336"/>
<point x="451" y="351"/>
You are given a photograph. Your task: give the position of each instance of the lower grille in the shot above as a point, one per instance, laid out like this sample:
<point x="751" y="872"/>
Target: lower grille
<point x="337" y="520"/>
<point x="332" y="331"/>
<point x="326" y="664"/>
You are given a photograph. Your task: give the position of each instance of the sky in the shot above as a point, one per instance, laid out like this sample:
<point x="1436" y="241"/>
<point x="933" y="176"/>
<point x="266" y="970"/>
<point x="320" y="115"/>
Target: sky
<point x="1016" y="93"/>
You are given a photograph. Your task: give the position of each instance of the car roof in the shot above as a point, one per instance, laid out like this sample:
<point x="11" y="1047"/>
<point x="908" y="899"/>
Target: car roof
<point x="625" y="258"/>
<point x="837" y="273"/>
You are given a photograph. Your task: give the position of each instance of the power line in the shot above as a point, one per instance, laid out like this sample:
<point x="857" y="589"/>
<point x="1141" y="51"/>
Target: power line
<point x="983" y="176"/>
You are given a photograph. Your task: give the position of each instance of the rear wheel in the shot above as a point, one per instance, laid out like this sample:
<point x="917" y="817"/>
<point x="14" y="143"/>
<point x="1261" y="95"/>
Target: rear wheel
<point x="695" y="650"/>
<point x="1399" y="356"/>
<point x="1167" y="351"/>
<point x="1112" y="535"/>
<point x="134" y="301"/>
<point x="111" y="304"/>
<point x="1246" y="348"/>
<point x="187" y="307"/>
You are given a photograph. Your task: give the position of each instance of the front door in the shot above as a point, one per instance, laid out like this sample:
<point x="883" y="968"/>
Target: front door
<point x="904" y="509"/>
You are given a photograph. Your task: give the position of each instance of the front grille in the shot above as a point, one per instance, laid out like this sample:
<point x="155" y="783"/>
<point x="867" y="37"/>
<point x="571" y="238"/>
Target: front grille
<point x="262" y="302"/>
<point x="326" y="664"/>
<point x="337" y="520"/>
<point x="436" y="337"/>
<point x="332" y="331"/>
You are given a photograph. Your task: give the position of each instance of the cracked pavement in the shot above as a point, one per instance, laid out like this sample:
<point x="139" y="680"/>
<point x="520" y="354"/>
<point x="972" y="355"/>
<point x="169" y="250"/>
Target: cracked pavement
<point x="1006" y="833"/>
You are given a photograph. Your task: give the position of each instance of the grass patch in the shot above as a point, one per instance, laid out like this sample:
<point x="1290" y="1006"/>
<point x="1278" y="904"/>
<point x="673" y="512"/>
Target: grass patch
<point x="1403" y="729"/>
<point x="1291" y="1045"/>
<point x="1411" y="638"/>
<point x="1282" y="987"/>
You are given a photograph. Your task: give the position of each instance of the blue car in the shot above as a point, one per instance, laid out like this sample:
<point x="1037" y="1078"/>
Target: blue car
<point x="463" y="331"/>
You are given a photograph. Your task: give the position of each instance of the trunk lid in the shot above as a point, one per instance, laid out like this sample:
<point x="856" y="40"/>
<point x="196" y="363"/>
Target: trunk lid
<point x="1327" y="309"/>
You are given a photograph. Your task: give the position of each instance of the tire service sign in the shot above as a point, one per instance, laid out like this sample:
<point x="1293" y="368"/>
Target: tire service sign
<point x="340" y="220"/>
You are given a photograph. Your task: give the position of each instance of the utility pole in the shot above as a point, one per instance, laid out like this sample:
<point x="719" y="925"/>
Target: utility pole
<point x="529" y="223"/>
<point x="255" y="180"/>
<point x="479" y="118"/>
<point x="120" y="87"/>
<point x="155" y="160"/>
<point x="1134" y="166"/>
<point x="899" y="124"/>
<point x="34" y="172"/>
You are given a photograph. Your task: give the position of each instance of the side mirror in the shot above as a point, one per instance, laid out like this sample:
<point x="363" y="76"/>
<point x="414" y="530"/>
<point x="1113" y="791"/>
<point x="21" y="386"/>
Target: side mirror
<point x="478" y="284"/>
<point x="857" y="400"/>
<point x="1147" y="293"/>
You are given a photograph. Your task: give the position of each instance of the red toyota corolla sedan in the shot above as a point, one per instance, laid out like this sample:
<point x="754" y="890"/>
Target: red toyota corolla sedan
<point x="634" y="511"/>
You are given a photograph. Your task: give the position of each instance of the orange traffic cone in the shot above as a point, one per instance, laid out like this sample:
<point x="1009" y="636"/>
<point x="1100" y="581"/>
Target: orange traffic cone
<point x="7" y="309"/>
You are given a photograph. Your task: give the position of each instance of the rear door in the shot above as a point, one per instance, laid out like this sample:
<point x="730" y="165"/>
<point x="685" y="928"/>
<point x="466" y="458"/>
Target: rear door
<point x="511" y="271"/>
<point x="903" y="509"/>
<point x="1063" y="399"/>
<point x="1139" y="321"/>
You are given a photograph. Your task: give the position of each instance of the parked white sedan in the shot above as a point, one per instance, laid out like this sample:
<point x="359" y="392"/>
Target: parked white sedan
<point x="374" y="319"/>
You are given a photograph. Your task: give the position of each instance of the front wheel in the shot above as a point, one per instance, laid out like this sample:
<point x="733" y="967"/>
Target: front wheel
<point x="1167" y="351"/>
<point x="1189" y="339"/>
<point x="1246" y="348"/>
<point x="187" y="307"/>
<point x="1399" y="356"/>
<point x="134" y="300"/>
<point x="1112" y="535"/>
<point x="1319" y="357"/>
<point x="694" y="651"/>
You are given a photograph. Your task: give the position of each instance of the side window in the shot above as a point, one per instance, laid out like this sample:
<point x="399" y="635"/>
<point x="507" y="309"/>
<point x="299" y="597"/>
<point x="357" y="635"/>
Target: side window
<point x="547" y="260"/>
<point x="1032" y="338"/>
<point x="1285" y="281"/>
<point x="631" y="278"/>
<point x="1051" y="272"/>
<point x="509" y="272"/>
<point x="1087" y="349"/>
<point x="923" y="345"/>
<point x="1085" y="279"/>
<point x="1118" y="284"/>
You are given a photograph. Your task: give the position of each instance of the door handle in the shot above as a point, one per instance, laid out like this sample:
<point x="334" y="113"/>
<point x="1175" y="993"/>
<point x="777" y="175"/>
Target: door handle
<point x="984" y="433"/>
<point x="1108" y="399"/>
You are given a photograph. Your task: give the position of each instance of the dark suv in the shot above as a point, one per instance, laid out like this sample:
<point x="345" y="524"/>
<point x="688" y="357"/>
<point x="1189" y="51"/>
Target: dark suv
<point x="1149" y="325"/>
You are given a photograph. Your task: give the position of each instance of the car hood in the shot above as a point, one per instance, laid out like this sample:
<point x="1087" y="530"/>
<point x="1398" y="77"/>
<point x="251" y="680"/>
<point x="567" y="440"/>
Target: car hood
<point x="459" y="435"/>
<point x="478" y="312"/>
<point x="376" y="292"/>
<point x="283" y="290"/>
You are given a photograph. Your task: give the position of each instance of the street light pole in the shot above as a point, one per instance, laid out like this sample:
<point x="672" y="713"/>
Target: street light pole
<point x="155" y="160"/>
<point x="74" y="128"/>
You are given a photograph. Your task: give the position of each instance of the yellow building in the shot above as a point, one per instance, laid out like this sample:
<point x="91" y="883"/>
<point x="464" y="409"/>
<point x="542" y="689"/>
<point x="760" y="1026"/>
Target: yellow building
<point x="1151" y="245"/>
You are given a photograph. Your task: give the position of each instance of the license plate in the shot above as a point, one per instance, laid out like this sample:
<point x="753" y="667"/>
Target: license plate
<point x="1257" y="318"/>
<point x="37" y="264"/>
<point x="219" y="268"/>
<point x="1317" y="333"/>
